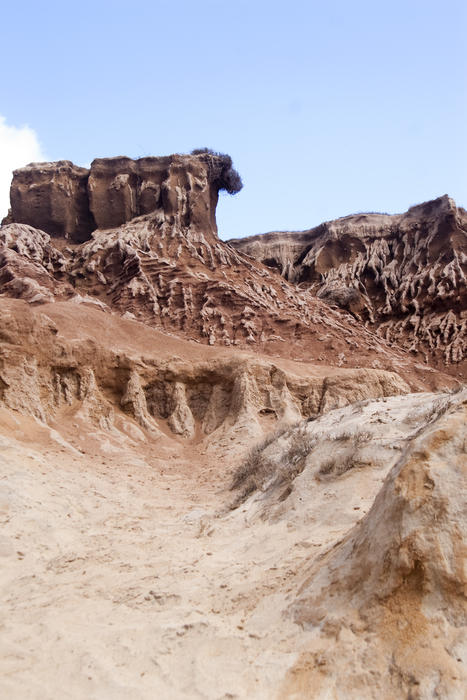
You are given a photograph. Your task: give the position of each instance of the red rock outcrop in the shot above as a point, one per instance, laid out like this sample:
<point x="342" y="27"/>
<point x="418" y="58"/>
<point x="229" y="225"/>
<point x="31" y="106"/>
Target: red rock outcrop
<point x="71" y="202"/>
<point x="168" y="269"/>
<point x="52" y="197"/>
<point x="183" y="189"/>
<point x="190" y="284"/>
<point x="403" y="275"/>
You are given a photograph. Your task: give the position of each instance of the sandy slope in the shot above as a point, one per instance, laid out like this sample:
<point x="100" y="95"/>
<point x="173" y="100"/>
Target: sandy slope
<point x="118" y="581"/>
<point x="122" y="577"/>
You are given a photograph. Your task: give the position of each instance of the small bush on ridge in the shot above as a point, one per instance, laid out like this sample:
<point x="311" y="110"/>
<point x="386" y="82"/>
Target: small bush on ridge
<point x="221" y="170"/>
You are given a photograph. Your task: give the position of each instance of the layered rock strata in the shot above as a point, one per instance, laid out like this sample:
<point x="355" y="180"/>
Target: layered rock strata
<point x="66" y="358"/>
<point x="184" y="282"/>
<point x="167" y="268"/>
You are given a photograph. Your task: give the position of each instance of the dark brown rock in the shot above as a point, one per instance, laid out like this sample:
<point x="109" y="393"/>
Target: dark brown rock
<point x="112" y="191"/>
<point x="52" y="197"/>
<point x="71" y="202"/>
<point x="183" y="189"/>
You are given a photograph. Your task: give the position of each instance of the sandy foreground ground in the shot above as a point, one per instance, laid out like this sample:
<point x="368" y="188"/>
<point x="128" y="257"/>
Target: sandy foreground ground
<point x="118" y="582"/>
<point x="120" y="579"/>
<point x="124" y="575"/>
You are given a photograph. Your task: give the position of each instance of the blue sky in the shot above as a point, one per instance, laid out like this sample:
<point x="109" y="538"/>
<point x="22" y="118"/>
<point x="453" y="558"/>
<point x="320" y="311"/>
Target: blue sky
<point x="327" y="108"/>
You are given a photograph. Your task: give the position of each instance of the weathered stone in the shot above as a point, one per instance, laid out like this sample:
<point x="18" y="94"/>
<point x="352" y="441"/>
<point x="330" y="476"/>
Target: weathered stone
<point x="404" y="275"/>
<point x="182" y="188"/>
<point x="71" y="202"/>
<point x="52" y="197"/>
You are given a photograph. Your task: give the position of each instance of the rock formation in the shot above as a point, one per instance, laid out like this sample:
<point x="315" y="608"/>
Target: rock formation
<point x="53" y="197"/>
<point x="399" y="576"/>
<point x="30" y="267"/>
<point x="70" y="202"/>
<point x="403" y="275"/>
<point x="54" y="355"/>
<point x="223" y="469"/>
<point x="168" y="268"/>
<point x="385" y="606"/>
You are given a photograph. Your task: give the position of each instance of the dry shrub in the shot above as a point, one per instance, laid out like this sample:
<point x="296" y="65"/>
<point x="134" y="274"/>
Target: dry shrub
<point x="342" y="462"/>
<point x="437" y="409"/>
<point x="336" y="466"/>
<point x="259" y="470"/>
<point x="263" y="470"/>
<point x="293" y="461"/>
<point x="344" y="437"/>
<point x="359" y="438"/>
<point x="221" y="170"/>
<point x="363" y="437"/>
<point x="255" y="468"/>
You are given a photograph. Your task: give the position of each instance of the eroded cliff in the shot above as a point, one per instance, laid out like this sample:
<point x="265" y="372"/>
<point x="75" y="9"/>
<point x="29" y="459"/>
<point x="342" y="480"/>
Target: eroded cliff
<point x="115" y="374"/>
<point x="71" y="202"/>
<point x="168" y="269"/>
<point x="403" y="275"/>
<point x="215" y="483"/>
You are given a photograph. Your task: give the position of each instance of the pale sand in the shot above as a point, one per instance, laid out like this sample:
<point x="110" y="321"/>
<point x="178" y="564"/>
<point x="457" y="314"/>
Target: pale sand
<point x="121" y="578"/>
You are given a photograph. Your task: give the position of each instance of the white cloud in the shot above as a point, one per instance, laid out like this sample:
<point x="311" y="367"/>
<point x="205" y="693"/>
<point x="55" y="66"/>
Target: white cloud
<point x="19" y="146"/>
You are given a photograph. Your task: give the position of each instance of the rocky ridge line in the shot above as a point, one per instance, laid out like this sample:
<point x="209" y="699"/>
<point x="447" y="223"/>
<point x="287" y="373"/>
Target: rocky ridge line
<point x="71" y="202"/>
<point x="168" y="269"/>
<point x="403" y="275"/>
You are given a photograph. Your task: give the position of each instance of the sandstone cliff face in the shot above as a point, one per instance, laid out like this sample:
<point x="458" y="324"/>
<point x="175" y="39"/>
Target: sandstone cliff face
<point x="168" y="269"/>
<point x="403" y="275"/>
<point x="52" y="197"/>
<point x="184" y="282"/>
<point x="71" y="202"/>
<point x="383" y="607"/>
<point x="179" y="187"/>
<point x="55" y="358"/>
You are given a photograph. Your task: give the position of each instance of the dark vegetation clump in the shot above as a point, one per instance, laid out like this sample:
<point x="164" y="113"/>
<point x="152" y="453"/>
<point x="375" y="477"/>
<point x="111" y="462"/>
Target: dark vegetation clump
<point x="221" y="170"/>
